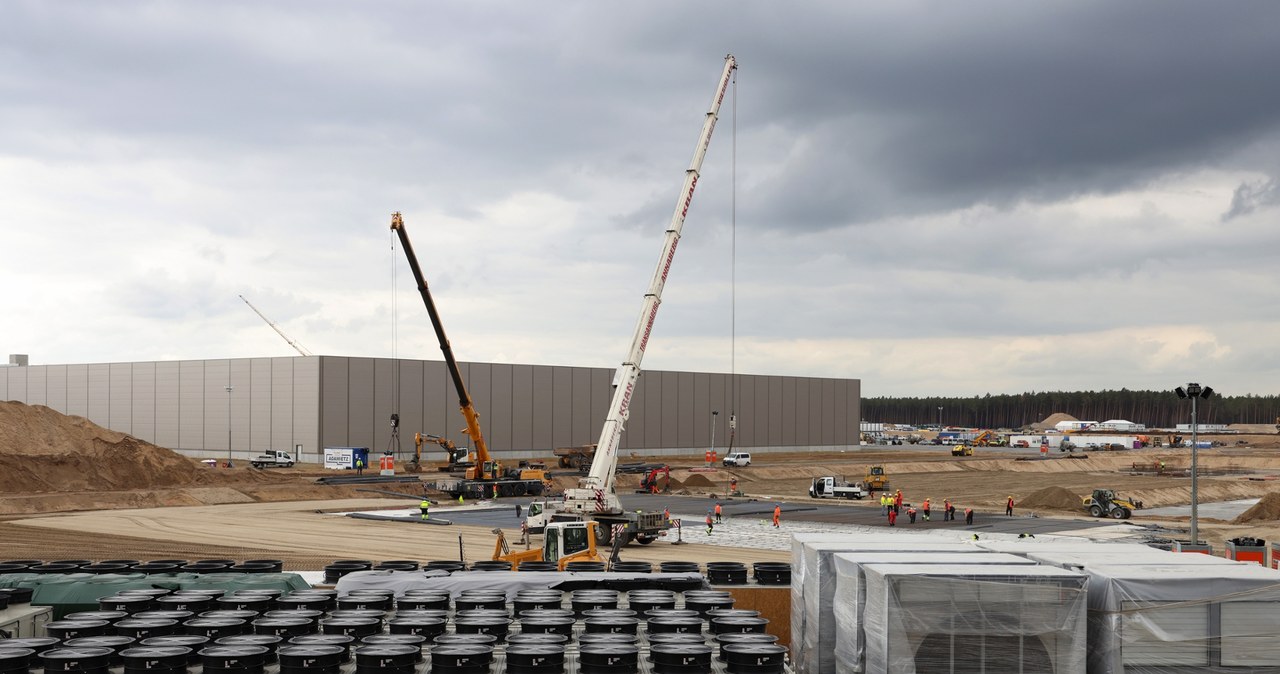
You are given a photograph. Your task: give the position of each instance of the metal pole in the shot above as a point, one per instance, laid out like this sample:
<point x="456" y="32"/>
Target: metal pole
<point x="713" y="431"/>
<point x="939" y="417"/>
<point x="1195" y="471"/>
<point x="229" y="390"/>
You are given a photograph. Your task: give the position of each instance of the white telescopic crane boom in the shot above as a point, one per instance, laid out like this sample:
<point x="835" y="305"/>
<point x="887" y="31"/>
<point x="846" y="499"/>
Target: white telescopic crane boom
<point x="597" y="486"/>
<point x="296" y="346"/>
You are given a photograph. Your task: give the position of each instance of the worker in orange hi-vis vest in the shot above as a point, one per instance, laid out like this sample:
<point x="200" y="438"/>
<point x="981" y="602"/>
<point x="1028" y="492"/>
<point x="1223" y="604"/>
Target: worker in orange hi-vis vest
<point x="925" y="510"/>
<point x="1008" y="506"/>
<point x="718" y="514"/>
<point x="777" y="515"/>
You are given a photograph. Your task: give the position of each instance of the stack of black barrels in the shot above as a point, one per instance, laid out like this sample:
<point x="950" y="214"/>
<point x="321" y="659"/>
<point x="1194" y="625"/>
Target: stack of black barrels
<point x="421" y="631"/>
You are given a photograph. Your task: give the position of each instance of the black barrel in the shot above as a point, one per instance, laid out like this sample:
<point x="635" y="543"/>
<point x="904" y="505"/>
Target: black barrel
<point x="157" y="568"/>
<point x="114" y="643"/>
<point x="296" y="614"/>
<point x="461" y="659"/>
<point x="738" y="624"/>
<point x="236" y="614"/>
<point x="397" y="565"/>
<point x="268" y="641"/>
<point x="644" y="600"/>
<point x="192" y="642"/>
<point x="103" y="568"/>
<point x="373" y="591"/>
<point x="75" y="629"/>
<point x="54" y="567"/>
<point x="772" y="573"/>
<point x="527" y="600"/>
<point x="129" y="603"/>
<point x="633" y="567"/>
<point x="494" y="601"/>
<point x="537" y="565"/>
<point x="215" y="628"/>
<point x="680" y="658"/>
<point x="429" y="627"/>
<point x="16" y="660"/>
<point x="155" y="659"/>
<point x="24" y="563"/>
<point x="754" y="658"/>
<point x="671" y="613"/>
<point x="311" y="658"/>
<point x="163" y="614"/>
<point x="258" y="603"/>
<point x="353" y="627"/>
<point x="607" y="638"/>
<point x="307" y="602"/>
<point x="562" y="625"/>
<point x="277" y="565"/>
<point x="79" y="660"/>
<point x="537" y="638"/>
<point x="196" y="603"/>
<point x="334" y="572"/>
<point x="445" y="565"/>
<point x="342" y="641"/>
<point x="497" y="626"/>
<point x="676" y="638"/>
<point x="679" y="567"/>
<point x="285" y="627"/>
<point x="727" y="573"/>
<point x="145" y="628"/>
<point x="732" y="613"/>
<point x="613" y="624"/>
<point x="366" y="602"/>
<point x="491" y="565"/>
<point x="467" y="639"/>
<point x="37" y="644"/>
<point x="535" y="659"/>
<point x="416" y="640"/>
<point x="726" y="638"/>
<point x="590" y="567"/>
<point x="703" y="601"/>
<point x="109" y="616"/>
<point x="608" y="658"/>
<point x="680" y="624"/>
<point x="233" y="659"/>
<point x="203" y="567"/>
<point x="386" y="659"/>
<point x="586" y="600"/>
<point x="416" y="602"/>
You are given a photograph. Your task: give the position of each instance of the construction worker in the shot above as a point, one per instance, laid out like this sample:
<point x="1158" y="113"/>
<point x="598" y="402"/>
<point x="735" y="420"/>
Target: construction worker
<point x="718" y="514"/>
<point x="893" y="517"/>
<point x="968" y="516"/>
<point x="777" y="515"/>
<point x="710" y="526"/>
<point x="951" y="511"/>
<point x="884" y="504"/>
<point x="1008" y="506"/>
<point x="946" y="509"/>
<point x="733" y="486"/>
<point x="897" y="501"/>
<point x="666" y="515"/>
<point x="926" y="510"/>
<point x="424" y="509"/>
<point x="495" y="491"/>
<point x="911" y="514"/>
<point x="359" y="466"/>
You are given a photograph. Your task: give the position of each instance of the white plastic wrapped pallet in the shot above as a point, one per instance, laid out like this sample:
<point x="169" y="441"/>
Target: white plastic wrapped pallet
<point x="1077" y="558"/>
<point x="813" y="635"/>
<point x="1022" y="546"/>
<point x="849" y="600"/>
<point x="1149" y="618"/>
<point x="998" y="618"/>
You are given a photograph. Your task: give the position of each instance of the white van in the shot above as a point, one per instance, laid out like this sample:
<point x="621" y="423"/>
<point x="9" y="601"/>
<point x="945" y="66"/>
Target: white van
<point x="738" y="459"/>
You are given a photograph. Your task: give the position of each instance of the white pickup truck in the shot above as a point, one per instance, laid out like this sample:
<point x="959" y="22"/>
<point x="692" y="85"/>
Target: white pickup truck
<point x="829" y="487"/>
<point x="273" y="457"/>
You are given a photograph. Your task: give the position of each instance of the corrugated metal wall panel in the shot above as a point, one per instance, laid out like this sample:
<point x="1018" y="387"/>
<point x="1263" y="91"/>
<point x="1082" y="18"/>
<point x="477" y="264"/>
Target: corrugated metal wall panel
<point x="191" y="406"/>
<point x="18" y="384"/>
<point x="828" y="412"/>
<point x="260" y="405"/>
<point x="440" y="404"/>
<point x="634" y="430"/>
<point x="304" y="404"/>
<point x="580" y="406"/>
<point x="839" y="429"/>
<point x="4" y="383"/>
<point x="120" y="416"/>
<point x="386" y="383"/>
<point x="671" y="403"/>
<point x="601" y="396"/>
<point x="653" y="393"/>
<point x="815" y="410"/>
<point x="761" y="433"/>
<point x="543" y="408"/>
<point x="57" y="387"/>
<point x="217" y="406"/>
<point x="334" y="385"/>
<point x="718" y="399"/>
<point x="169" y="404"/>
<point x="411" y="395"/>
<point x="775" y="411"/>
<point x="143" y="421"/>
<point x="747" y="421"/>
<point x="498" y="426"/>
<point x="522" y="407"/>
<point x="241" y="378"/>
<point x="37" y="385"/>
<point x="692" y="412"/>
<point x="561" y="394"/>
<point x="360" y="418"/>
<point x="789" y="408"/>
<point x="700" y="394"/>
<point x="480" y="385"/>
<point x="99" y="411"/>
<point x="78" y="390"/>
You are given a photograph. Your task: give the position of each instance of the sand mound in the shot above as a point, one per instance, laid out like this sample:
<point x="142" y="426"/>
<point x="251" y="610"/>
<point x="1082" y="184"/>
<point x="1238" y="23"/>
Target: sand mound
<point x="1050" y="422"/>
<point x="42" y="450"/>
<point x="1267" y="509"/>
<point x="1051" y="497"/>
<point x="698" y="480"/>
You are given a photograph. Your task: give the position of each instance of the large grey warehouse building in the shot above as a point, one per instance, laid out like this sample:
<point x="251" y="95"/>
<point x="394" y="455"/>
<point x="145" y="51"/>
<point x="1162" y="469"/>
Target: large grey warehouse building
<point x="240" y="407"/>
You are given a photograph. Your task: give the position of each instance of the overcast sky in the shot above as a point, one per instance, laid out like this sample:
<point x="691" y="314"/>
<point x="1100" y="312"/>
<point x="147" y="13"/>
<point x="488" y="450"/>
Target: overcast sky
<point x="938" y="198"/>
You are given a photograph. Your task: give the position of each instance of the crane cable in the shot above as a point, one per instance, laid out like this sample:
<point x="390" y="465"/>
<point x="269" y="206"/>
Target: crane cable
<point x="393" y="443"/>
<point x="733" y="266"/>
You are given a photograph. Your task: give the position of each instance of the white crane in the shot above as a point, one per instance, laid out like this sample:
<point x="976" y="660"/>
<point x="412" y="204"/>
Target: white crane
<point x="296" y="346"/>
<point x="595" y="492"/>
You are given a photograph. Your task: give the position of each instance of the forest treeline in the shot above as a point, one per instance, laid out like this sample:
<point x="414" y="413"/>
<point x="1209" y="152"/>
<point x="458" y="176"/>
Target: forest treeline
<point x="1157" y="409"/>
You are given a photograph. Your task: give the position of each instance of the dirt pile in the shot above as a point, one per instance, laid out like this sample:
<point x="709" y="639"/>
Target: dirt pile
<point x="697" y="480"/>
<point x="1056" y="498"/>
<point x="1051" y="422"/>
<point x="42" y="450"/>
<point x="1267" y="509"/>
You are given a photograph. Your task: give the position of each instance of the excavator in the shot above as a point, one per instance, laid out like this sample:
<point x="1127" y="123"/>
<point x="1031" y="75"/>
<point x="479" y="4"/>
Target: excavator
<point x="486" y="476"/>
<point x="657" y="481"/>
<point x="458" y="457"/>
<point x="987" y="439"/>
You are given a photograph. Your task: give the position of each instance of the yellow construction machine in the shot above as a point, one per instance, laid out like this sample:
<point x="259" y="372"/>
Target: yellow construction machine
<point x="877" y="479"/>
<point x="562" y="542"/>
<point x="961" y="450"/>
<point x="1107" y="503"/>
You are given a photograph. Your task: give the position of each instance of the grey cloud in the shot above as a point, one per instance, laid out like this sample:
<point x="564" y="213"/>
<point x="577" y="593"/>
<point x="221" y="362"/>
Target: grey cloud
<point x="1252" y="196"/>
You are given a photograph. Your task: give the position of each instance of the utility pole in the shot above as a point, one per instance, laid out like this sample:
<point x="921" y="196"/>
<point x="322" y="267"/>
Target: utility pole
<point x="230" y="388"/>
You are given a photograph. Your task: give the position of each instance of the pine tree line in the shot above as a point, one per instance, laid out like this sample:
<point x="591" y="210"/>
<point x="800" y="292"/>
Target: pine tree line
<point x="1157" y="409"/>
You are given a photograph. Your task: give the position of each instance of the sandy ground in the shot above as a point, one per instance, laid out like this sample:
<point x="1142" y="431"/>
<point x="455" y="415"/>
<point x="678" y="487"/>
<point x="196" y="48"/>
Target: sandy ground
<point x="281" y="519"/>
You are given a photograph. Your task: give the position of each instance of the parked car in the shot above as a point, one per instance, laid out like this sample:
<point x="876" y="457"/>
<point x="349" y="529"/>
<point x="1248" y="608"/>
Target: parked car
<point x="738" y="459"/>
